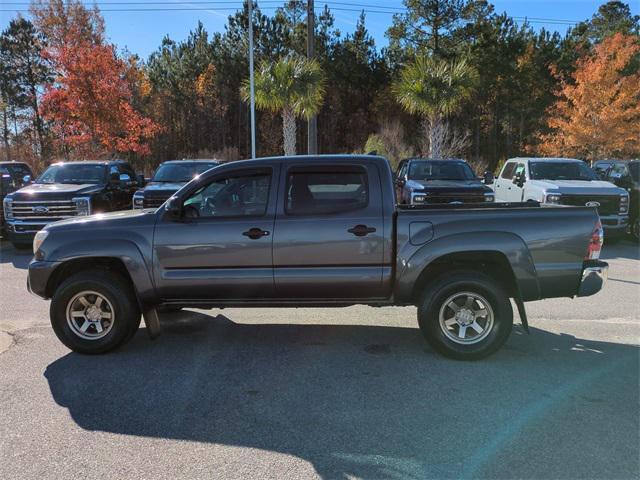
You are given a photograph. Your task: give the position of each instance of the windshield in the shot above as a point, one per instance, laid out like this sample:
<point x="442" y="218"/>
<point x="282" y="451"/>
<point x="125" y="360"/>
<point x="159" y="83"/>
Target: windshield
<point x="634" y="170"/>
<point x="562" y="171"/>
<point x="440" y="170"/>
<point x="74" y="173"/>
<point x="180" y="172"/>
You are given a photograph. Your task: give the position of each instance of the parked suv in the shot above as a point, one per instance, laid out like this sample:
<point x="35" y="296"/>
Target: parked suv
<point x="13" y="175"/>
<point x="625" y="174"/>
<point x="170" y="177"/>
<point x="422" y="181"/>
<point x="68" y="189"/>
<point x="563" y="181"/>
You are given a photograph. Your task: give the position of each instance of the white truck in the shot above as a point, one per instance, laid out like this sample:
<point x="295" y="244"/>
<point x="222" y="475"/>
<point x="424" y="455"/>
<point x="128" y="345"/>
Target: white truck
<point x="563" y="181"/>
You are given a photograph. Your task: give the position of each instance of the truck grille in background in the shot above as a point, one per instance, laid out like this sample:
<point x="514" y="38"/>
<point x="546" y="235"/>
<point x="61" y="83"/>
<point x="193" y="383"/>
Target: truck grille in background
<point x="609" y="205"/>
<point x="50" y="210"/>
<point x="153" y="201"/>
<point x="449" y="198"/>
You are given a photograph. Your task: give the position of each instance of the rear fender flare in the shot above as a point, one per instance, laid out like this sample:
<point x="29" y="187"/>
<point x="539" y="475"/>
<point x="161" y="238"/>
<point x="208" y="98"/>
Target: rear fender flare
<point x="508" y="244"/>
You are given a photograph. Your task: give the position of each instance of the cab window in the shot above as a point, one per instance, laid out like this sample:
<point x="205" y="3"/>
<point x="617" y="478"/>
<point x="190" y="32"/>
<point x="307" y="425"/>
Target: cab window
<point x="326" y="191"/>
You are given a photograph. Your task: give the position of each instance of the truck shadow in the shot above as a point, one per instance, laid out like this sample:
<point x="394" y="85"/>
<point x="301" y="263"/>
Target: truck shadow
<point x="18" y="258"/>
<point x="622" y="248"/>
<point x="365" y="401"/>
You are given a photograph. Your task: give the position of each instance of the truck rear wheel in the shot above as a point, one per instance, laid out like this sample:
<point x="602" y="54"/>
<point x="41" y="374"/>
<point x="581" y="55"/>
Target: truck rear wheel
<point x="94" y="312"/>
<point x="465" y="315"/>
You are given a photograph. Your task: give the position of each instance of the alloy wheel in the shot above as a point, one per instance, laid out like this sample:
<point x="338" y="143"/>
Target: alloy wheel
<point x="90" y="315"/>
<point x="466" y="318"/>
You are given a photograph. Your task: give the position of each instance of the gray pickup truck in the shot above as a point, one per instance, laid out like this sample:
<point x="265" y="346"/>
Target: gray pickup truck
<point x="320" y="231"/>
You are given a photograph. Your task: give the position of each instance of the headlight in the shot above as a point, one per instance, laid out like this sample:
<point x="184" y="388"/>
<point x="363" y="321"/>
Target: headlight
<point x="553" y="198"/>
<point x="38" y="239"/>
<point x="83" y="205"/>
<point x="7" y="205"/>
<point x="138" y="200"/>
<point x="489" y="197"/>
<point x="624" y="203"/>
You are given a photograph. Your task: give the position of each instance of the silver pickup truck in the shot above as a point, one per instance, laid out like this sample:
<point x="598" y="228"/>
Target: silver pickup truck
<point x="320" y="231"/>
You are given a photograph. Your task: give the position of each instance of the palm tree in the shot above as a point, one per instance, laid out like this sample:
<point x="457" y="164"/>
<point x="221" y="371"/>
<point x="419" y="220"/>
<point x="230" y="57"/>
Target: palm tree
<point x="435" y="89"/>
<point x="292" y="86"/>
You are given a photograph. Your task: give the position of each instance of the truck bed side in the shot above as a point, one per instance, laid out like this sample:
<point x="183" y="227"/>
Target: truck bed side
<point x="541" y="248"/>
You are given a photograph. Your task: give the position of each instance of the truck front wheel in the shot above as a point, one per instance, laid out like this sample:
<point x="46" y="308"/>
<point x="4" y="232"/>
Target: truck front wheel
<point x="465" y="315"/>
<point x="94" y="312"/>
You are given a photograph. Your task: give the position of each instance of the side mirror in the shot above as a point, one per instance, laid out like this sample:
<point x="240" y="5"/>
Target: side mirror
<point x="141" y="181"/>
<point x="174" y="207"/>
<point x="401" y="182"/>
<point x="488" y="178"/>
<point x="623" y="181"/>
<point x="26" y="179"/>
<point x="518" y="179"/>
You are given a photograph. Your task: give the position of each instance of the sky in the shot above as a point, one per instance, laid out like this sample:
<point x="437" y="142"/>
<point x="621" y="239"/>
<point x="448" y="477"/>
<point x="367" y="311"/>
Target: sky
<point x="141" y="32"/>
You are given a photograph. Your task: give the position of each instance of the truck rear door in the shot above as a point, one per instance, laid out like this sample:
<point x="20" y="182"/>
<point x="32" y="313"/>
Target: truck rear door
<point x="329" y="236"/>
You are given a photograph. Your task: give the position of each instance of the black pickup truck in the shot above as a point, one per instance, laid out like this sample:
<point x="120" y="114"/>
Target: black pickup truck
<point x="65" y="190"/>
<point x="13" y="176"/>
<point x="313" y="231"/>
<point x="422" y="181"/>
<point x="169" y="177"/>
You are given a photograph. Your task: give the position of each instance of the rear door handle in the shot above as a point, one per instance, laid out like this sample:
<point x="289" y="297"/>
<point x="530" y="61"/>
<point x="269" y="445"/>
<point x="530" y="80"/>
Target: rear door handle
<point x="255" y="233"/>
<point x="361" y="230"/>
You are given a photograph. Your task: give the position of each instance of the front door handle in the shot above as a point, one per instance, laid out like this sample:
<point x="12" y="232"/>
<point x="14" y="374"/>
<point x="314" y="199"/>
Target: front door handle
<point x="255" y="233"/>
<point x="361" y="230"/>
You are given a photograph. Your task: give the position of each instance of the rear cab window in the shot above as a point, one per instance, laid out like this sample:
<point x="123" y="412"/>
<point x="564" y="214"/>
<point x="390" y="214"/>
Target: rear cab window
<point x="322" y="190"/>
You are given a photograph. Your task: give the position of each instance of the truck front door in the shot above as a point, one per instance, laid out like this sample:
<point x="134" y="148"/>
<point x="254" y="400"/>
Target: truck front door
<point x="221" y="247"/>
<point x="329" y="239"/>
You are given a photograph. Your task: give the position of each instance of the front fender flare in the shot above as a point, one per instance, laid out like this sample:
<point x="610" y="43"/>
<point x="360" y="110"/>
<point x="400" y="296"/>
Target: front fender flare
<point x="124" y="250"/>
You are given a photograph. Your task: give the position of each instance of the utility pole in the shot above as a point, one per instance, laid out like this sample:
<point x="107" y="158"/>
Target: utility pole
<point x="251" y="83"/>
<point x="312" y="133"/>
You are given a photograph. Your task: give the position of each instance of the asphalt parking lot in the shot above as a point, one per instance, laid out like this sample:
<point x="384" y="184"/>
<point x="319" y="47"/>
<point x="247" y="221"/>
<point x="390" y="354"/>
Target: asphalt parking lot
<point x="328" y="393"/>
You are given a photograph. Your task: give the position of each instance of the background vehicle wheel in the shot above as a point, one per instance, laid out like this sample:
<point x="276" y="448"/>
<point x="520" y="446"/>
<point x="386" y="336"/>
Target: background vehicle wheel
<point x="22" y="246"/>
<point x="465" y="315"/>
<point x="635" y="229"/>
<point x="94" y="312"/>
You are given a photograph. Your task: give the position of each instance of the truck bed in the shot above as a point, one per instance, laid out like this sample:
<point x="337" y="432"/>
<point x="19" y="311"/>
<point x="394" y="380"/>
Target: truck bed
<point x="545" y="246"/>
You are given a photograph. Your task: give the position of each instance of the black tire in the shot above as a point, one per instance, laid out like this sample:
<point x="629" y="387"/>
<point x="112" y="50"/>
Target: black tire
<point x="22" y="246"/>
<point x="437" y="295"/>
<point x="118" y="293"/>
<point x="635" y="229"/>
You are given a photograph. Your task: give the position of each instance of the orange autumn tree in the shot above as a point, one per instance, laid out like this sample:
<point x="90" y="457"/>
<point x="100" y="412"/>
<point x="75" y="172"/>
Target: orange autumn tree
<point x="89" y="104"/>
<point x="597" y="114"/>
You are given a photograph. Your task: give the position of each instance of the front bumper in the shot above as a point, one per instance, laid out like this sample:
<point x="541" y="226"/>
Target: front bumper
<point x="594" y="276"/>
<point x="615" y="223"/>
<point x="39" y="275"/>
<point x="21" y="232"/>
